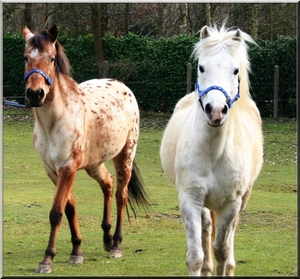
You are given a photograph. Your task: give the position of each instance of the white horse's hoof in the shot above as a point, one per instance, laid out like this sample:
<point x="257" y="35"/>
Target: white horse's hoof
<point x="115" y="254"/>
<point x="44" y="268"/>
<point x="74" y="259"/>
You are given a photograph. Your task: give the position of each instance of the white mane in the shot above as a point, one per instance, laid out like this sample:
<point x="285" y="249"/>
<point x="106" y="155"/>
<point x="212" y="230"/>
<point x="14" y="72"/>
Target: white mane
<point x="224" y="38"/>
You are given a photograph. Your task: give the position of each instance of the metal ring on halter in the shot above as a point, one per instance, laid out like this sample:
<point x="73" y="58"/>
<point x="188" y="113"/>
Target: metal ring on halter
<point x="229" y="101"/>
<point x="46" y="77"/>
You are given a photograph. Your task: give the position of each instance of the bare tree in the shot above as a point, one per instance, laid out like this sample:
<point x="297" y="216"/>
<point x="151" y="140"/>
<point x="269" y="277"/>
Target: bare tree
<point x="27" y="15"/>
<point x="207" y="14"/>
<point x="97" y="32"/>
<point x="263" y="20"/>
<point x="253" y="11"/>
<point x="49" y="12"/>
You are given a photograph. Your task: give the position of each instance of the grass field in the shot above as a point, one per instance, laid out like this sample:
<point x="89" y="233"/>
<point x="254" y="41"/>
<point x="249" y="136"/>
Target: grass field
<point x="265" y="242"/>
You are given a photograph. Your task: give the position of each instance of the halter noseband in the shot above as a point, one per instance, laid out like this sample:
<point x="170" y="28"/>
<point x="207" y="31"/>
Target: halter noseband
<point x="46" y="77"/>
<point x="229" y="101"/>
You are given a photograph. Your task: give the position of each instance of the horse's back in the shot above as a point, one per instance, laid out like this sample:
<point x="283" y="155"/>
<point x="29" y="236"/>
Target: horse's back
<point x="110" y="91"/>
<point x="110" y="100"/>
<point x="111" y="117"/>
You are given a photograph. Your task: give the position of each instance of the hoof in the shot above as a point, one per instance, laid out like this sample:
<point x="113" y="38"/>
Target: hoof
<point x="44" y="268"/>
<point x="107" y="246"/>
<point x="115" y="254"/>
<point x="75" y="259"/>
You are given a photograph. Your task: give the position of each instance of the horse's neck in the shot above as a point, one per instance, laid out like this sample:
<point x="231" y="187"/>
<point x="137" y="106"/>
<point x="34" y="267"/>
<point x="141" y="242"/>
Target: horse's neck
<point x="56" y="101"/>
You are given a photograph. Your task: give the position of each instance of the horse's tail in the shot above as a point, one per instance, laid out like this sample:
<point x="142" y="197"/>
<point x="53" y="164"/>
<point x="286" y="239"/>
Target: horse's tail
<point x="136" y="191"/>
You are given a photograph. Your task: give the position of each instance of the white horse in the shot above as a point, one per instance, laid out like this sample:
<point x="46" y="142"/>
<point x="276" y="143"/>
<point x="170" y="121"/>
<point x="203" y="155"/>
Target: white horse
<point x="212" y="149"/>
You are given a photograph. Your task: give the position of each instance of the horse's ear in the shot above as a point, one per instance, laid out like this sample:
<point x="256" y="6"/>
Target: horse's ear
<point x="237" y="36"/>
<point x="204" y="32"/>
<point x="53" y="32"/>
<point x="26" y="34"/>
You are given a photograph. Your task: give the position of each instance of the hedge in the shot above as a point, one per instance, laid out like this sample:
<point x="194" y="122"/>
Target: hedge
<point x="155" y="70"/>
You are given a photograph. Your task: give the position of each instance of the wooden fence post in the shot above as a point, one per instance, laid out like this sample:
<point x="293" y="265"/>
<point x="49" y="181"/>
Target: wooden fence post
<point x="105" y="69"/>
<point x="276" y="91"/>
<point x="189" y="78"/>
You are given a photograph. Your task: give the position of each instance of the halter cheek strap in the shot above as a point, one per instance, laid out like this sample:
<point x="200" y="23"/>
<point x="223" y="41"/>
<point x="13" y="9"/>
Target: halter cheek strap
<point x="229" y="101"/>
<point x="46" y="77"/>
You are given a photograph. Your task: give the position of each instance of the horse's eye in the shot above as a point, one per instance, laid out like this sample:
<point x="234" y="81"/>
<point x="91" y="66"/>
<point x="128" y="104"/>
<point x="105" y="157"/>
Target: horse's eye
<point x="26" y="58"/>
<point x="52" y="59"/>
<point x="201" y="69"/>
<point x="236" y="71"/>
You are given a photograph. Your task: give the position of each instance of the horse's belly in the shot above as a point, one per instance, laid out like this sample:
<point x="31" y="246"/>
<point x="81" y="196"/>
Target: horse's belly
<point x="104" y="144"/>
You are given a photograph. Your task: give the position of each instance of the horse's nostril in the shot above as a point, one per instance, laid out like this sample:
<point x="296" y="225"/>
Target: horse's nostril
<point x="208" y="109"/>
<point x="225" y="110"/>
<point x="28" y="92"/>
<point x="41" y="94"/>
<point x="35" y="94"/>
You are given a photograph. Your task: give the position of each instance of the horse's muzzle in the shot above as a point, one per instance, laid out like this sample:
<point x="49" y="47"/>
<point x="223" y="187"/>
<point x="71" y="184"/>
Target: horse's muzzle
<point x="216" y="116"/>
<point x="35" y="97"/>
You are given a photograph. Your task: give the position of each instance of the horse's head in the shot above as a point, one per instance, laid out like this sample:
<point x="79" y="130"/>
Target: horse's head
<point x="218" y="54"/>
<point x="40" y="64"/>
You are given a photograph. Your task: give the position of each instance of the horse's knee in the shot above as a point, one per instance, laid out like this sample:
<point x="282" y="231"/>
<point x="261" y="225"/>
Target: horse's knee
<point x="221" y="252"/>
<point x="55" y="217"/>
<point x="194" y="262"/>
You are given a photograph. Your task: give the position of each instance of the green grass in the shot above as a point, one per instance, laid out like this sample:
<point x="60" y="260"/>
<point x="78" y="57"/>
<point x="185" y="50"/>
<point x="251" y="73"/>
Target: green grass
<point x="265" y="242"/>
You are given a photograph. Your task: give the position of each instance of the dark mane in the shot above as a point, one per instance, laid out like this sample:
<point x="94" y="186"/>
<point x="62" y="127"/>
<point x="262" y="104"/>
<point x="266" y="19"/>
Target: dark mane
<point x="40" y="42"/>
<point x="62" y="61"/>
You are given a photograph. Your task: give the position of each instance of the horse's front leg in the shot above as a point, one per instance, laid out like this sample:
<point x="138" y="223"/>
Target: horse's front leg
<point x="64" y="183"/>
<point x="223" y="245"/>
<point x="71" y="213"/>
<point x="190" y="210"/>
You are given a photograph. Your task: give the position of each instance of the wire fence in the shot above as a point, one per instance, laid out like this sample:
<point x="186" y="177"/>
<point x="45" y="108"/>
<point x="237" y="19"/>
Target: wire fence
<point x="265" y="105"/>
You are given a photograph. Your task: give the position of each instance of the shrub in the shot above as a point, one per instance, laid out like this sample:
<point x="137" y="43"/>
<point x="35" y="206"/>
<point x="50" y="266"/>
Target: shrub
<point x="155" y="70"/>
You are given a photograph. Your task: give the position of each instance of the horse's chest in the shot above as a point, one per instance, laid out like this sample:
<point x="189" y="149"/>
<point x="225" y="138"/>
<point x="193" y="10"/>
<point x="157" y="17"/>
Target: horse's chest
<point x="225" y="182"/>
<point x="55" y="148"/>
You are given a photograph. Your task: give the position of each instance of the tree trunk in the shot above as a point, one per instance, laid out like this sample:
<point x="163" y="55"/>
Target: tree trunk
<point x="271" y="22"/>
<point x="27" y="15"/>
<point x="126" y="17"/>
<point x="97" y="33"/>
<point x="183" y="13"/>
<point x="253" y="9"/>
<point x="207" y="14"/>
<point x="50" y="10"/>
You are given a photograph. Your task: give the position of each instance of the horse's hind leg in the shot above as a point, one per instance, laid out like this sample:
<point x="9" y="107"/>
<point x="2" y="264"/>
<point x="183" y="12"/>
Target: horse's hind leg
<point x="105" y="180"/>
<point x="123" y="165"/>
<point x="223" y="245"/>
<point x="230" y="263"/>
<point x="207" y="267"/>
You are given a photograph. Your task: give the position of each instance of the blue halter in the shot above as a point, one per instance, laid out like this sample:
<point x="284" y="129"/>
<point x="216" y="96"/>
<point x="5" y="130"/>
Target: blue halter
<point x="229" y="101"/>
<point x="46" y="77"/>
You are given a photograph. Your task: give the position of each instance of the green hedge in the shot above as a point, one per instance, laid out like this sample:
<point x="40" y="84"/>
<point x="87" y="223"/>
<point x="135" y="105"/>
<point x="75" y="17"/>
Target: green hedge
<point x="155" y="70"/>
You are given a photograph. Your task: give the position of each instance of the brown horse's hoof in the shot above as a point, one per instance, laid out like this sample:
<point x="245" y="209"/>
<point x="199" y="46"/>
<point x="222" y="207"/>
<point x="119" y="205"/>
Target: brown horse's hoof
<point x="44" y="268"/>
<point x="107" y="246"/>
<point x="75" y="259"/>
<point x="115" y="254"/>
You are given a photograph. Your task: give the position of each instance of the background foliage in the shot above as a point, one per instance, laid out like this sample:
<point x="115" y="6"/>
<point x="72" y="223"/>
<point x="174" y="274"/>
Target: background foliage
<point x="155" y="69"/>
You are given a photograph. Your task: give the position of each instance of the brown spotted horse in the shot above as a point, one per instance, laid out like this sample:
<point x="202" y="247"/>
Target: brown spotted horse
<point x="81" y="126"/>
